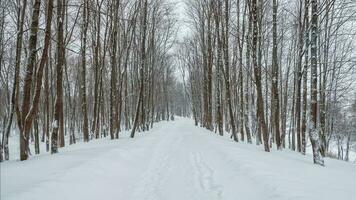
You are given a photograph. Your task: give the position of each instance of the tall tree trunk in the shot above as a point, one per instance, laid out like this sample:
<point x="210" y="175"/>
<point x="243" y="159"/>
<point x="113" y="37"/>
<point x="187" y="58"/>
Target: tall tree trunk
<point x="274" y="90"/>
<point x="219" y="114"/>
<point x="58" y="103"/>
<point x="15" y="88"/>
<point x="143" y="62"/>
<point x="257" y="72"/>
<point x="39" y="74"/>
<point x="83" y="69"/>
<point x="323" y="80"/>
<point x="26" y="127"/>
<point x="63" y="61"/>
<point x="113" y="80"/>
<point x="299" y="79"/>
<point x="209" y="70"/>
<point x="227" y="72"/>
<point x="305" y="75"/>
<point x="313" y="132"/>
<point x="248" y="66"/>
<point x="96" y="71"/>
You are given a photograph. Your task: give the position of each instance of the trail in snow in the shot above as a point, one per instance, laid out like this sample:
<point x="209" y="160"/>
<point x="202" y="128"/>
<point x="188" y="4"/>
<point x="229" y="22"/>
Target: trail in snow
<point x="174" y="161"/>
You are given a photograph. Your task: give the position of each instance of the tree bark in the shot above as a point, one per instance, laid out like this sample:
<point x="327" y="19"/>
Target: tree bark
<point x="143" y="62"/>
<point x="15" y="89"/>
<point x="305" y="75"/>
<point x="58" y="103"/>
<point x="313" y="132"/>
<point x="26" y="127"/>
<point x="227" y="72"/>
<point x="83" y="69"/>
<point x="274" y="90"/>
<point x="257" y="72"/>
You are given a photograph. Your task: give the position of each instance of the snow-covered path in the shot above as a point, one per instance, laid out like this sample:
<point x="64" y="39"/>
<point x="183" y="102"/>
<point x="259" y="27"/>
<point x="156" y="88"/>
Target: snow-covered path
<point x="174" y="161"/>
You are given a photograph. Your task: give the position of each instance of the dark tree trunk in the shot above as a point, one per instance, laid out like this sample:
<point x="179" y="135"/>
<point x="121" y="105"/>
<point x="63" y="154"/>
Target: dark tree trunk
<point x="274" y="90"/>
<point x="58" y="103"/>
<point x="257" y="72"/>
<point x="25" y="125"/>
<point x="313" y="132"/>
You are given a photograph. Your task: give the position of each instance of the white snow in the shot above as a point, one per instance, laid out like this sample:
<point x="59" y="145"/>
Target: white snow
<point x="55" y="124"/>
<point x="175" y="161"/>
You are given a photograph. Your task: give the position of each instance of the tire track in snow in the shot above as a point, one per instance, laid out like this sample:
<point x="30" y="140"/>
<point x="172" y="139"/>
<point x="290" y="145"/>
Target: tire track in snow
<point x="242" y="171"/>
<point x="149" y="188"/>
<point x="205" y="177"/>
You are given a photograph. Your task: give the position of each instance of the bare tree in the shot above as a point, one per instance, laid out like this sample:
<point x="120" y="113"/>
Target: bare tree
<point x="15" y="88"/>
<point x="58" y="105"/>
<point x="274" y="89"/>
<point x="313" y="132"/>
<point x="25" y="127"/>
<point x="83" y="67"/>
<point x="142" y="66"/>
<point x="257" y="71"/>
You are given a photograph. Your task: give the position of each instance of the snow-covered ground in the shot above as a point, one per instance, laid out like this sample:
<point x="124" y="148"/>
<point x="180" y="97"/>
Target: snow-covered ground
<point x="175" y="161"/>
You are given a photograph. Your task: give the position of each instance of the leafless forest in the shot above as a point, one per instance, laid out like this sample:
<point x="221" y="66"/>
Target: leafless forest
<point x="276" y="73"/>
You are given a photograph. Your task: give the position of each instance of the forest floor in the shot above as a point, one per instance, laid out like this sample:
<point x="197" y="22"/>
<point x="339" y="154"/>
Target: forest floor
<point x="174" y="161"/>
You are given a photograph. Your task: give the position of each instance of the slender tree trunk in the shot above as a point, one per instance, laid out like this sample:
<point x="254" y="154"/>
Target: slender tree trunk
<point x="61" y="130"/>
<point x="257" y="72"/>
<point x="113" y="81"/>
<point x="209" y="70"/>
<point x="143" y="62"/>
<point x="248" y="66"/>
<point x="96" y="71"/>
<point x="305" y="74"/>
<point x="299" y="79"/>
<point x="15" y="89"/>
<point x="58" y="103"/>
<point x="219" y="115"/>
<point x="274" y="90"/>
<point x="83" y="73"/>
<point x="313" y="132"/>
<point x="227" y="70"/>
